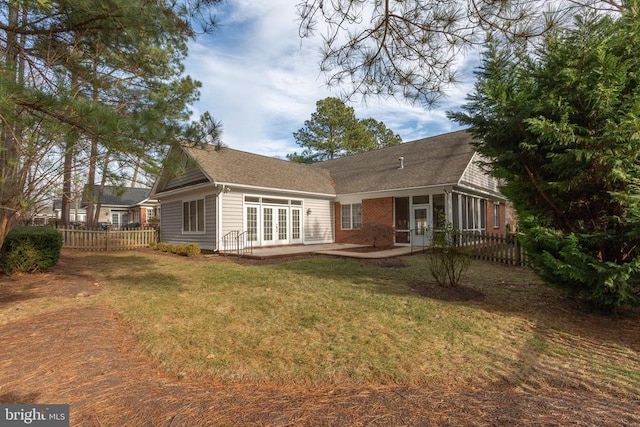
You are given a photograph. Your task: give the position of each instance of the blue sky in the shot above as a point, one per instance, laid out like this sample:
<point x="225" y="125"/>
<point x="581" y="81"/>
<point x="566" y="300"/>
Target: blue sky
<point x="262" y="82"/>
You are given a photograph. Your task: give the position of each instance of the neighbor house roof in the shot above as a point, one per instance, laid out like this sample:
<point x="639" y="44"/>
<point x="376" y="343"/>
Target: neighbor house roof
<point x="75" y="204"/>
<point x="437" y="160"/>
<point x="118" y="196"/>
<point x="226" y="165"/>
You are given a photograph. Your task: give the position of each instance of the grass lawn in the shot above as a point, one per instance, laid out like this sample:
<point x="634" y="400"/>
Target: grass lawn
<point x="323" y="321"/>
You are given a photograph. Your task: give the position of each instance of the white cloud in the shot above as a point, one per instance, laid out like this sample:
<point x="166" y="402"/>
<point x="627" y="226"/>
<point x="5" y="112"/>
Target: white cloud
<point x="262" y="82"/>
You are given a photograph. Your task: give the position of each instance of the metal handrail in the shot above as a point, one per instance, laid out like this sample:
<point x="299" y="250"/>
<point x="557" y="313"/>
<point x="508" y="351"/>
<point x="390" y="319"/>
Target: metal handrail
<point x="247" y="246"/>
<point x="236" y="242"/>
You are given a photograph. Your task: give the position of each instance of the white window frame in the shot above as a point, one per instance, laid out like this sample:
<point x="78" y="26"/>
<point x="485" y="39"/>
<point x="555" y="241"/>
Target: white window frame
<point x="472" y="213"/>
<point x="496" y="215"/>
<point x="351" y="220"/>
<point x="197" y="218"/>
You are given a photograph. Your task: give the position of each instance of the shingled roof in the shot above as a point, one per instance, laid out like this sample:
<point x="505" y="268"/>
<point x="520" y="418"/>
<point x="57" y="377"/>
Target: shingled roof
<point x="227" y="165"/>
<point x="117" y="196"/>
<point x="437" y="160"/>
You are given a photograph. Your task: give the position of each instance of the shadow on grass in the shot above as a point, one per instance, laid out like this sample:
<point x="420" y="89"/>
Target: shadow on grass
<point x="379" y="279"/>
<point x="557" y="326"/>
<point x="130" y="270"/>
<point x="558" y="345"/>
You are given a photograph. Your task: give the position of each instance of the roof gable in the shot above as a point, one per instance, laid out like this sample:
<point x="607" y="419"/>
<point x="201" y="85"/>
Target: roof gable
<point x="438" y="160"/>
<point x="226" y="165"/>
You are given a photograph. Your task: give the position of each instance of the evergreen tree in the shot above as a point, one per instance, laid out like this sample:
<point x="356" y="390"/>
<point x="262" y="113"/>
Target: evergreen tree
<point x="334" y="131"/>
<point x="88" y="85"/>
<point x="411" y="48"/>
<point x="379" y="135"/>
<point x="561" y="126"/>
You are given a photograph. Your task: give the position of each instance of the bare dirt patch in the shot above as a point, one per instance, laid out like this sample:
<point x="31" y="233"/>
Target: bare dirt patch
<point x="67" y="279"/>
<point x="87" y="356"/>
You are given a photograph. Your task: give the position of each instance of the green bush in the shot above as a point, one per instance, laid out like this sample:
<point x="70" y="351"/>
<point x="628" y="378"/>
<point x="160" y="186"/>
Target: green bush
<point x="186" y="249"/>
<point x="30" y="249"/>
<point x="191" y="249"/>
<point x="572" y="262"/>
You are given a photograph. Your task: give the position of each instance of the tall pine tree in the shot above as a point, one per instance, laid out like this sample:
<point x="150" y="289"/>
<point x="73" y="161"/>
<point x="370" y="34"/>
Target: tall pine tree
<point x="88" y="85"/>
<point x="335" y="131"/>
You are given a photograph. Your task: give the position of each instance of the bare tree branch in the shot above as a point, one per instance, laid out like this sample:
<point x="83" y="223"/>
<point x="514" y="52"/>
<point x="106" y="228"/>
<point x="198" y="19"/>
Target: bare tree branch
<point x="409" y="48"/>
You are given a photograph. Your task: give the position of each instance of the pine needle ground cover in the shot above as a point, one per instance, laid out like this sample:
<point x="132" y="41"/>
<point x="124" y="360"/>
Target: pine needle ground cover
<point x="328" y="321"/>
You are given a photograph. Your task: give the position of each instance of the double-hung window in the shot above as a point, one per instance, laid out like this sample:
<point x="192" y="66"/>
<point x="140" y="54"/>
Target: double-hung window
<point x="351" y="216"/>
<point x="193" y="216"/>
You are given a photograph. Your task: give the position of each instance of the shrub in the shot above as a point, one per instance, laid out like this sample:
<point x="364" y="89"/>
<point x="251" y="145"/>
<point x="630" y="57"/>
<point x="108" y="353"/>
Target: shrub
<point x="30" y="249"/>
<point x="571" y="262"/>
<point x="376" y="235"/>
<point x="186" y="249"/>
<point x="447" y="262"/>
<point x="192" y="249"/>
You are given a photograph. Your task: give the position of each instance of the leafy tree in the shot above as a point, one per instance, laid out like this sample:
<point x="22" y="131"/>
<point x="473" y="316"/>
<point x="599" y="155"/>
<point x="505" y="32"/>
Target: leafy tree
<point x="410" y="48"/>
<point x="334" y="131"/>
<point x="561" y="126"/>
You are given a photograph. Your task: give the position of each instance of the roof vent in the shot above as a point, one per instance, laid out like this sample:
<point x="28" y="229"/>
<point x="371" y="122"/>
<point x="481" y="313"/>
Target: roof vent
<point x="401" y="162"/>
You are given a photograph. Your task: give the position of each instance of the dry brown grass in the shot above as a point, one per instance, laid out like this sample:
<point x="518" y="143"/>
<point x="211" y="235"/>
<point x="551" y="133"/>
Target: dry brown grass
<point x="572" y="368"/>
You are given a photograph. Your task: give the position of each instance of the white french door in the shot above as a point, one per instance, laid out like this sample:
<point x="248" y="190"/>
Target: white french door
<point x="118" y="219"/>
<point x="275" y="225"/>
<point x="269" y="225"/>
<point x="296" y="225"/>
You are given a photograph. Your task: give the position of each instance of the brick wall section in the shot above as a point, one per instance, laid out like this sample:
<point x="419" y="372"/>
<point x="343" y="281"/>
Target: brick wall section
<point x="377" y="224"/>
<point x="489" y="215"/>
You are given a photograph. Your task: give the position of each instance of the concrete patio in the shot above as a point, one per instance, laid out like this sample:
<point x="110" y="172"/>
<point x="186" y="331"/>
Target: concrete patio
<point x="333" y="249"/>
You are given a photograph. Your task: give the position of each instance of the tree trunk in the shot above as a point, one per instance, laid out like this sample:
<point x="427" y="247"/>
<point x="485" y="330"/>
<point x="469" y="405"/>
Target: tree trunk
<point x="89" y="193"/>
<point x="136" y="169"/>
<point x="8" y="152"/>
<point x="67" y="178"/>
<point x="103" y="183"/>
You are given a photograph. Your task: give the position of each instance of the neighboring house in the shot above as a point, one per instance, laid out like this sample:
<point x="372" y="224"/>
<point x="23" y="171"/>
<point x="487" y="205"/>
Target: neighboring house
<point x="41" y="214"/>
<point x="394" y="196"/>
<point x="121" y="206"/>
<point x="77" y="213"/>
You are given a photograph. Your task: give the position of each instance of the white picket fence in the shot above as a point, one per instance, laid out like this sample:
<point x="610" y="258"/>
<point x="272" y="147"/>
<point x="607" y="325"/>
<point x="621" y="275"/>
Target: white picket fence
<point x="107" y="240"/>
<point x="493" y="247"/>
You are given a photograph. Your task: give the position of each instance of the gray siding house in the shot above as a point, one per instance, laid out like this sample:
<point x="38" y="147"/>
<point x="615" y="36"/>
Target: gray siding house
<point x="395" y="195"/>
<point x="223" y="191"/>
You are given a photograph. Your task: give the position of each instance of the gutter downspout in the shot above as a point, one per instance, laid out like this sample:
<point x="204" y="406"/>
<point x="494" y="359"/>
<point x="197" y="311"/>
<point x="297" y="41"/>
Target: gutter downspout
<point x="218" y="234"/>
